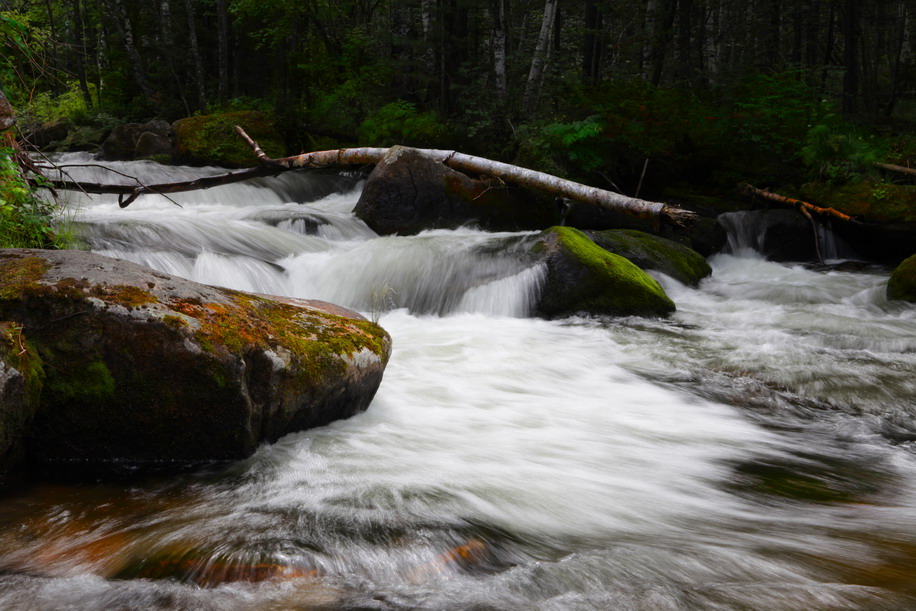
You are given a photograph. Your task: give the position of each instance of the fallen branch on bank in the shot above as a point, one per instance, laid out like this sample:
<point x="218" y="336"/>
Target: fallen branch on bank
<point x="462" y="162"/>
<point x="804" y="207"/>
<point x="897" y="168"/>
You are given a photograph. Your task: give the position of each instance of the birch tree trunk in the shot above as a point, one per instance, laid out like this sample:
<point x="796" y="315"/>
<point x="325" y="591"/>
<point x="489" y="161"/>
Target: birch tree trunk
<point x="500" y="46"/>
<point x="222" y="18"/>
<point x="539" y="58"/>
<point x="125" y="29"/>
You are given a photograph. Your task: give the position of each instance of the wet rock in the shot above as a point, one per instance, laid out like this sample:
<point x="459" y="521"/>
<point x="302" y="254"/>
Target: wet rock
<point x="651" y="252"/>
<point x="152" y="145"/>
<point x="408" y="192"/>
<point x="47" y="133"/>
<point x="143" y="369"/>
<point x="902" y="283"/>
<point x="584" y="278"/>
<point x="211" y="139"/>
<point x="124" y="141"/>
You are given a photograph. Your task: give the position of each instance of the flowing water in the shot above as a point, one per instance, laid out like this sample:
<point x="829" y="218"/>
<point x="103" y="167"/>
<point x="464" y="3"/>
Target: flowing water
<point x="753" y="451"/>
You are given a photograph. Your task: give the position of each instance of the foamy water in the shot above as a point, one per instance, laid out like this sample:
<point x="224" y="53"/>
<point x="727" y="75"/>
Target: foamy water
<point x="752" y="451"/>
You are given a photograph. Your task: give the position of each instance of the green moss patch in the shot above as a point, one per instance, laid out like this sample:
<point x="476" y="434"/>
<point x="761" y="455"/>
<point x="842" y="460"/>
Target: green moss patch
<point x="902" y="283"/>
<point x="18" y="275"/>
<point x="583" y="277"/>
<point x="212" y="138"/>
<point x="123" y="294"/>
<point x="866" y="200"/>
<point x="652" y="252"/>
<point x="321" y="341"/>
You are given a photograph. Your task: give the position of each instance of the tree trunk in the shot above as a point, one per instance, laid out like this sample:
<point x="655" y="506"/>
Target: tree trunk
<point x="77" y="16"/>
<point x="125" y="29"/>
<point x="195" y="57"/>
<point x="591" y="43"/>
<point x="539" y="58"/>
<point x="222" y="18"/>
<point x="850" y="62"/>
<point x="500" y="10"/>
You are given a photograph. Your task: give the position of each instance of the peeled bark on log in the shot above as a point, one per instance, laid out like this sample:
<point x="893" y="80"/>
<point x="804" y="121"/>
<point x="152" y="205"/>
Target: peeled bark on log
<point x="479" y="165"/>
<point x="654" y="211"/>
<point x="802" y="206"/>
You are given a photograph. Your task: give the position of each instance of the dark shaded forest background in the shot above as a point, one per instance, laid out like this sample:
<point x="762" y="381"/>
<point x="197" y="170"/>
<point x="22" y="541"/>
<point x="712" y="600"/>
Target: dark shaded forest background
<point x="616" y="94"/>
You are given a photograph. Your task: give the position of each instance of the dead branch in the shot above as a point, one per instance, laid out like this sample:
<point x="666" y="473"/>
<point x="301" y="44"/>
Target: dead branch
<point x="127" y="194"/>
<point x="802" y="206"/>
<point x="897" y="168"/>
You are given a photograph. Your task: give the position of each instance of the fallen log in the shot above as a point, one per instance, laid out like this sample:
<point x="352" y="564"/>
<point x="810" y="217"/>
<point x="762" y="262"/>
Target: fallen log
<point x="524" y="177"/>
<point x="462" y="162"/>
<point x="804" y="207"/>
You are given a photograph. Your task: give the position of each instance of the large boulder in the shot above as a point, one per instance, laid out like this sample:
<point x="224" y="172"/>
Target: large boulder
<point x="211" y="139"/>
<point x="409" y="191"/>
<point x="652" y="252"/>
<point x="122" y="143"/>
<point x="583" y="278"/>
<point x="143" y="368"/>
<point x="902" y="283"/>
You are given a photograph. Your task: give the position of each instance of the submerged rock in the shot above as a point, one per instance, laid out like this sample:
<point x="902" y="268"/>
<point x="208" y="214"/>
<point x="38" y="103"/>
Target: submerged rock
<point x="655" y="253"/>
<point x="902" y="283"/>
<point x="582" y="277"/>
<point x="143" y="368"/>
<point x="408" y="192"/>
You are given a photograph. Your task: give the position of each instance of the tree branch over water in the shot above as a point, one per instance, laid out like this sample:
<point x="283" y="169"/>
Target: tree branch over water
<point x="461" y="162"/>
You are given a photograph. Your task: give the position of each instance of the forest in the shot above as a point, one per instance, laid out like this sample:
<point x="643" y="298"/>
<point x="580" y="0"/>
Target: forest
<point x="628" y="96"/>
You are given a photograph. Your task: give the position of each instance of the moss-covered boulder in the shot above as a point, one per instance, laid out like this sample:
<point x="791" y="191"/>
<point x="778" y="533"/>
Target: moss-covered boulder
<point x="142" y="368"/>
<point x="902" y="283"/>
<point x="408" y="192"/>
<point x="211" y="139"/>
<point x="584" y="278"/>
<point x="653" y="252"/>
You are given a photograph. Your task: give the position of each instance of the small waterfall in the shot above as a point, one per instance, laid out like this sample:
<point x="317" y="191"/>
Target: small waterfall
<point x="783" y="235"/>
<point x="275" y="237"/>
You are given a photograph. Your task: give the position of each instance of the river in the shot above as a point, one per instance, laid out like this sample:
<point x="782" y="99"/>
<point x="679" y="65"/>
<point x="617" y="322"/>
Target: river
<point x="753" y="451"/>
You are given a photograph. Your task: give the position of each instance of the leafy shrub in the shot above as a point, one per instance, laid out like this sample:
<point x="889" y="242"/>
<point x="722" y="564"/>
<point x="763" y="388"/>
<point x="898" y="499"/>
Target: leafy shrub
<point x="400" y="123"/>
<point x="839" y="153"/>
<point x="26" y="221"/>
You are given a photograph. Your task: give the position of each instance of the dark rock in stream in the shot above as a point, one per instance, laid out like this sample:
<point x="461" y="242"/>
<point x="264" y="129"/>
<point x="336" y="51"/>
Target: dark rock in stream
<point x="137" y="141"/>
<point x="409" y="192"/>
<point x="130" y="366"/>
<point x="902" y="284"/>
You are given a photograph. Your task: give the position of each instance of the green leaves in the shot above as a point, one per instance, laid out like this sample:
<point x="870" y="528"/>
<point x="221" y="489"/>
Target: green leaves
<point x="25" y="220"/>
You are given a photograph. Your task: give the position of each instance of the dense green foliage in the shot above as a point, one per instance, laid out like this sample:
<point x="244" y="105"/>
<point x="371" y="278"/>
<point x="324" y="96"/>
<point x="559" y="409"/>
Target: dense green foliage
<point x="632" y="96"/>
<point x="25" y="218"/>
